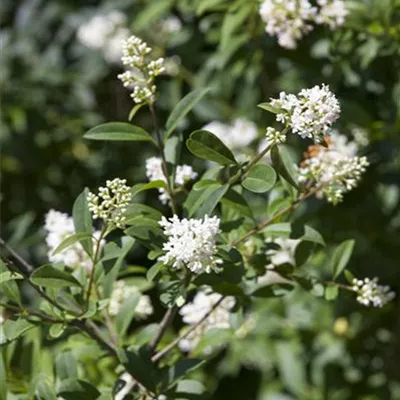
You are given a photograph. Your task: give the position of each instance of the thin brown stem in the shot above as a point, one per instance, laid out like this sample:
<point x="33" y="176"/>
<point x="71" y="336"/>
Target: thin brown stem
<point x="269" y="221"/>
<point x="164" y="324"/>
<point x="160" y="144"/>
<point x="174" y="343"/>
<point x="25" y="311"/>
<point x="27" y="267"/>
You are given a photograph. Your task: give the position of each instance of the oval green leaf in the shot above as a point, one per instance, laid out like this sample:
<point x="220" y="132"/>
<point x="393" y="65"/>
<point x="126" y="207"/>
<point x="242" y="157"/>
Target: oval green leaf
<point x="48" y="276"/>
<point x="70" y="240"/>
<point x="341" y="257"/>
<point x="207" y="146"/>
<point x="118" y="131"/>
<point x="260" y="179"/>
<point x="284" y="164"/>
<point x="182" y="108"/>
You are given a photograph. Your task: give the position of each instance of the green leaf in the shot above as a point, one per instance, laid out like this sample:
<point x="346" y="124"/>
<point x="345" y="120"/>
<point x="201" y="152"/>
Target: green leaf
<point x="331" y="292"/>
<point x="284" y="164"/>
<point x="181" y="368"/>
<point x="12" y="330"/>
<point x="56" y="330"/>
<point x="154" y="270"/>
<point x="126" y="314"/>
<point x="233" y="199"/>
<point x="134" y="110"/>
<point x="3" y="375"/>
<point x="260" y="178"/>
<point x="268" y="107"/>
<point x="182" y="108"/>
<point x="203" y="202"/>
<point x="207" y="146"/>
<point x="9" y="276"/>
<point x="147" y="232"/>
<point x="207" y="5"/>
<point x="188" y="389"/>
<point x="66" y="366"/>
<point x="140" y="366"/>
<point x="9" y="288"/>
<point x="341" y="257"/>
<point x="76" y="389"/>
<point x="51" y="277"/>
<point x="294" y="231"/>
<point x="118" y="131"/>
<point x="140" y="187"/>
<point x="83" y="220"/>
<point x="70" y="240"/>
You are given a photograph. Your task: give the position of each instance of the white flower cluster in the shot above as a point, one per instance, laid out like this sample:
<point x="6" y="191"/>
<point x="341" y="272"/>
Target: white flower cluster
<point x="191" y="243"/>
<point x="110" y="203"/>
<point x="105" y="32"/>
<point x="372" y="294"/>
<point x="291" y="20"/>
<point x="142" y="70"/>
<point x="192" y="313"/>
<point x="274" y="137"/>
<point x="336" y="168"/>
<point x="183" y="174"/>
<point x="237" y="135"/>
<point x="122" y="292"/>
<point x="310" y="114"/>
<point x="59" y="226"/>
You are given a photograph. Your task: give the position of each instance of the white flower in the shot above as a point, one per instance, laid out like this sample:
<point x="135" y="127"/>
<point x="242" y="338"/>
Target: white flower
<point x="371" y="294"/>
<point x="310" y="114"/>
<point x="122" y="292"/>
<point x="285" y="253"/>
<point x="191" y="243"/>
<point x="59" y="226"/>
<point x="192" y="313"/>
<point x="332" y="13"/>
<point x="105" y="32"/>
<point x="336" y="168"/>
<point x="111" y="202"/>
<point x="171" y="24"/>
<point x="183" y="174"/>
<point x="235" y="136"/>
<point x="288" y="20"/>
<point x="291" y="20"/>
<point x="143" y="70"/>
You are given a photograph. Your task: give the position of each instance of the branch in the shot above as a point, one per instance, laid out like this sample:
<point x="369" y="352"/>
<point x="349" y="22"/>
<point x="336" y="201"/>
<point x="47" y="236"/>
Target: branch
<point x="164" y="324"/>
<point x="27" y="267"/>
<point x="169" y="347"/>
<point x="21" y="310"/>
<point x="261" y="226"/>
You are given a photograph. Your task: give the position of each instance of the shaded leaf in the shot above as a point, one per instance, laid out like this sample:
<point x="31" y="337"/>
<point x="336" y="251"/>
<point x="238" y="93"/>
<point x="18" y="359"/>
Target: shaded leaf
<point x="341" y="257"/>
<point x="51" y="277"/>
<point x="284" y="164"/>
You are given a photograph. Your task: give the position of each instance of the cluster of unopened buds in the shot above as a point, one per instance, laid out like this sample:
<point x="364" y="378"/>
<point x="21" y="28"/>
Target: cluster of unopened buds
<point x="154" y="171"/>
<point x="310" y="114"/>
<point x="336" y="168"/>
<point x="191" y="243"/>
<point x="111" y="202"/>
<point x="370" y="293"/>
<point x="274" y="137"/>
<point x="291" y="20"/>
<point x="142" y="70"/>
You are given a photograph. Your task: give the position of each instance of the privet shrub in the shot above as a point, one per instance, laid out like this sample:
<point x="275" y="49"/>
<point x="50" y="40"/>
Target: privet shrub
<point x="226" y="244"/>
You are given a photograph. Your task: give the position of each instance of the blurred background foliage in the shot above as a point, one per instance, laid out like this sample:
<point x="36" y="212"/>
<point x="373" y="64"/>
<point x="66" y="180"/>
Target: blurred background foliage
<point x="54" y="88"/>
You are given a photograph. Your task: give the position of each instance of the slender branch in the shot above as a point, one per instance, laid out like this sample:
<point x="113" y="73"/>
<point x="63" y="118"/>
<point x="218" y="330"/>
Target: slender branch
<point x="27" y="267"/>
<point x="160" y="144"/>
<point x="95" y="260"/>
<point x="164" y="324"/>
<point x="44" y="317"/>
<point x="244" y="171"/>
<point x="264" y="224"/>
<point x="174" y="343"/>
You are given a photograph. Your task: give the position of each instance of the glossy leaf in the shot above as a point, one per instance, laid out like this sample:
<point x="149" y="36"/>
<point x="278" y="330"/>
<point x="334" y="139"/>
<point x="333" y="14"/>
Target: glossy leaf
<point x="260" y="179"/>
<point x="341" y="257"/>
<point x="183" y="108"/>
<point x="284" y="164"/>
<point x="83" y="220"/>
<point x="51" y="277"/>
<point x="70" y="240"/>
<point x="205" y="145"/>
<point x="118" y="131"/>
